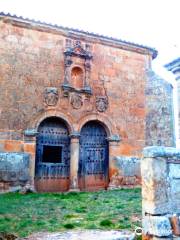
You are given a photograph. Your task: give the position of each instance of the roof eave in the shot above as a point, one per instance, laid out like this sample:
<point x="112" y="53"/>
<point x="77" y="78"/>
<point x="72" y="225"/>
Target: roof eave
<point x="152" y="51"/>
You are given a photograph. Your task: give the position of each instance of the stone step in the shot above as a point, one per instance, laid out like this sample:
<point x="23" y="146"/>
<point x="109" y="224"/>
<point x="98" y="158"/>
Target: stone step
<point x="84" y="235"/>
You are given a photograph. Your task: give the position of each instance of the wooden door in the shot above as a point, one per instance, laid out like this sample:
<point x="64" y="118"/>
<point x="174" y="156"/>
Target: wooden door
<point x="93" y="162"/>
<point x="52" y="156"/>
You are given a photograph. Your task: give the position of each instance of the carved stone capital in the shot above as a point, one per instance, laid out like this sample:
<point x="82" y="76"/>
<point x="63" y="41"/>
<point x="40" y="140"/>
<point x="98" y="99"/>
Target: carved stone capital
<point x="114" y="138"/>
<point x="75" y="134"/>
<point x="30" y="132"/>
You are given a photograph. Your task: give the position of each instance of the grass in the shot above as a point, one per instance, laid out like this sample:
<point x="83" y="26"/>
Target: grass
<point x="26" y="214"/>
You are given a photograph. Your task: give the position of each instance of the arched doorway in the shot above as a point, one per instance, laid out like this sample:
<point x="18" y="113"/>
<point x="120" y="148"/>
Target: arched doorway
<point x="93" y="157"/>
<point x="52" y="156"/>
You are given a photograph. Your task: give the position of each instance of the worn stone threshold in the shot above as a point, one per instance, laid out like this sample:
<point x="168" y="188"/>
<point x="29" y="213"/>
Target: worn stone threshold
<point x="83" y="235"/>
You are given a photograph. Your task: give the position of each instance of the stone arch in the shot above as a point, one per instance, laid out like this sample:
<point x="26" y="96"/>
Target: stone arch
<point x="93" y="170"/>
<point x="53" y="113"/>
<point x="106" y="123"/>
<point x="52" y="160"/>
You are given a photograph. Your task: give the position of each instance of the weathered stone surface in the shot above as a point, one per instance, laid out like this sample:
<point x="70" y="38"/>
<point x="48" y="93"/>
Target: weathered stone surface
<point x="175" y="223"/>
<point x="14" y="169"/>
<point x="174" y="170"/>
<point x="174" y="67"/>
<point x="128" y="173"/>
<point x="161" y="192"/>
<point x="33" y="68"/>
<point x="128" y="166"/>
<point x="157" y="226"/>
<point x="84" y="235"/>
<point x="34" y="61"/>
<point x="160" y="151"/>
<point x="159" y="111"/>
<point x="154" y="185"/>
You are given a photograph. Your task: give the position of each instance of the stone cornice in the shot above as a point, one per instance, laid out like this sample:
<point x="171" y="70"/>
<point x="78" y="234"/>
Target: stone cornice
<point x="76" y="34"/>
<point x="160" y="151"/>
<point x="173" y="65"/>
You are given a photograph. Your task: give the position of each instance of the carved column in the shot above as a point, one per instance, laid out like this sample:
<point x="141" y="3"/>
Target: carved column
<point x="74" y="161"/>
<point x="87" y="67"/>
<point x="67" y="65"/>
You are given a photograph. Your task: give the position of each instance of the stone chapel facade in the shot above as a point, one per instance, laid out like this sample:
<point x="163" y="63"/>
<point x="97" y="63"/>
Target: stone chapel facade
<point x="74" y="101"/>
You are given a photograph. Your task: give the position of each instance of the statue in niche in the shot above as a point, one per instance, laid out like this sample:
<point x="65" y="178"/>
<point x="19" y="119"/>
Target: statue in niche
<point x="51" y="96"/>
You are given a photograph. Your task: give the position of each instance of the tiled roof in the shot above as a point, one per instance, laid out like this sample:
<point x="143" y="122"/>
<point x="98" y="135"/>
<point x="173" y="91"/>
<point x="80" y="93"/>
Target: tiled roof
<point x="153" y="51"/>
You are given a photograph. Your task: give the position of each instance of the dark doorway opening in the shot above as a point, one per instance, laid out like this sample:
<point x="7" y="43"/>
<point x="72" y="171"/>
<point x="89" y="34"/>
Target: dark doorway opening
<point x="52" y="154"/>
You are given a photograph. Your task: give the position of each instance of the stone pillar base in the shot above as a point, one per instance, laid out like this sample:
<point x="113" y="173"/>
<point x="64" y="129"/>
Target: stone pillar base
<point x="74" y="190"/>
<point x="113" y="187"/>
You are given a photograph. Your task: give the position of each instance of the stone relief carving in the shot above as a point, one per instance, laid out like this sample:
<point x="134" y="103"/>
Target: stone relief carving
<point x="51" y="96"/>
<point x="76" y="100"/>
<point x="73" y="51"/>
<point x="101" y="103"/>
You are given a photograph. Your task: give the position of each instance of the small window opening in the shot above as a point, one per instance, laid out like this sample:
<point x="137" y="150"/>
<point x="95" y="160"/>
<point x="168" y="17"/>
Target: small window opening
<point x="52" y="154"/>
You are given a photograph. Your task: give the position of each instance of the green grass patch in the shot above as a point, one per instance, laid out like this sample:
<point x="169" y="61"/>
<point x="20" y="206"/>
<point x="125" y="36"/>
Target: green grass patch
<point x="69" y="226"/>
<point x="106" y="223"/>
<point x="25" y="214"/>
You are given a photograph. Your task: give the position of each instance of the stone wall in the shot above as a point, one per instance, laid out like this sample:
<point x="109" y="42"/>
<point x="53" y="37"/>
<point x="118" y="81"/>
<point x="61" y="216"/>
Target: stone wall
<point x="35" y="68"/>
<point x="160" y="169"/>
<point x="159" y="112"/>
<point x="32" y="60"/>
<point x="128" y="174"/>
<point x="14" y="171"/>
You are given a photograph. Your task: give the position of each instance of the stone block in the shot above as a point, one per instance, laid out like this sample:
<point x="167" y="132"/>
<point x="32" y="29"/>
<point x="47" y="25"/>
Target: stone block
<point x="159" y="151"/>
<point x="30" y="148"/>
<point x="154" y="185"/>
<point x="175" y="223"/>
<point x="158" y="226"/>
<point x="174" y="195"/>
<point x="128" y="166"/>
<point x="14" y="167"/>
<point x="13" y="146"/>
<point x="174" y="170"/>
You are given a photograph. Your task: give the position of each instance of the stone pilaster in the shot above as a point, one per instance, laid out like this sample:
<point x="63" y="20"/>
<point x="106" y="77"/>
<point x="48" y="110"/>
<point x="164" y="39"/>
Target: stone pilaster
<point x="30" y="147"/>
<point x="178" y="104"/>
<point x="174" y="67"/>
<point x="113" y="146"/>
<point x="74" y="160"/>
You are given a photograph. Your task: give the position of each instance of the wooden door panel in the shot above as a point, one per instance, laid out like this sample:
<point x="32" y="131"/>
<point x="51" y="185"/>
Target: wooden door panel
<point x="52" y="157"/>
<point x="93" y="162"/>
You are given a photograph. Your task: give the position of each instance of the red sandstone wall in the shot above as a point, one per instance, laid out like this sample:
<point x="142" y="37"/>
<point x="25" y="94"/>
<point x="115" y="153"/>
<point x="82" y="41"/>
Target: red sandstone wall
<point x="31" y="60"/>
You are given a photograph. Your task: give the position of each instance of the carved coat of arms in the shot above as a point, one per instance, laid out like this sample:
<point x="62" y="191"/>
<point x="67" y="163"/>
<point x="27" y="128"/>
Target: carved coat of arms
<point x="101" y="103"/>
<point x="51" y="96"/>
<point x="76" y="100"/>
